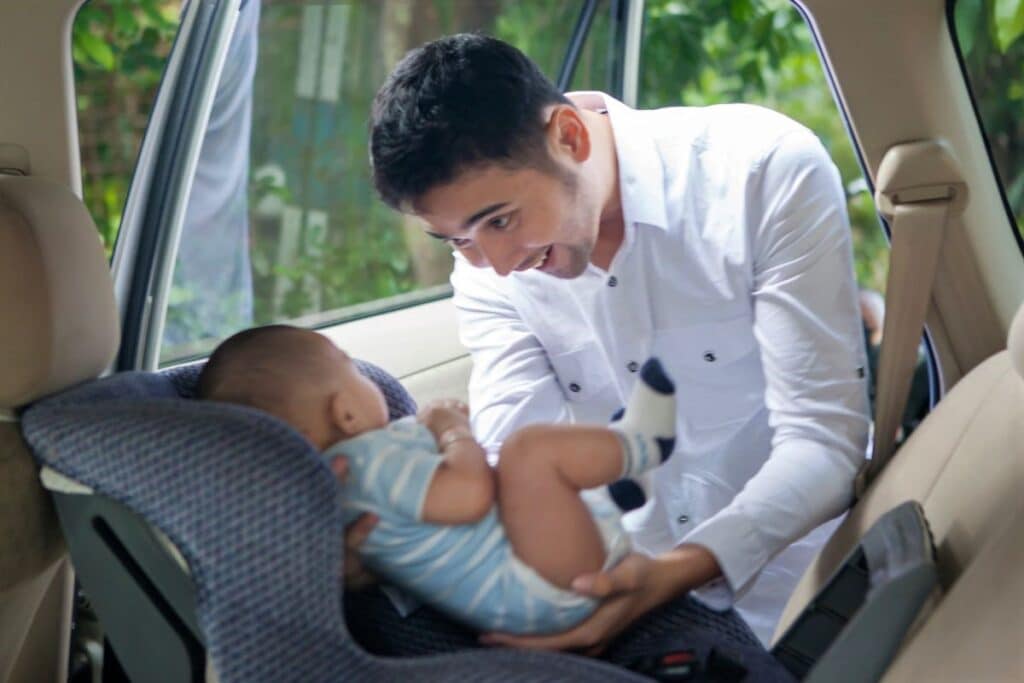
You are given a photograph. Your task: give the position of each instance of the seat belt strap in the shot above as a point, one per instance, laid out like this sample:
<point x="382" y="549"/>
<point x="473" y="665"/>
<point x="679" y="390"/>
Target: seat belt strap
<point x="919" y="190"/>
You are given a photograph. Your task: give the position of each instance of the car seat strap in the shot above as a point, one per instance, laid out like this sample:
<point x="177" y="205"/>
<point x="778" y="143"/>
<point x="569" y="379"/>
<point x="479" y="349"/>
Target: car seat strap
<point x="865" y="609"/>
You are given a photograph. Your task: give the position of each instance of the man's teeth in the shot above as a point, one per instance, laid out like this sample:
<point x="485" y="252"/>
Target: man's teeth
<point x="543" y="258"/>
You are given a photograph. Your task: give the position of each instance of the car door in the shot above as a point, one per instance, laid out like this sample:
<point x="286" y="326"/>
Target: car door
<point x="252" y="203"/>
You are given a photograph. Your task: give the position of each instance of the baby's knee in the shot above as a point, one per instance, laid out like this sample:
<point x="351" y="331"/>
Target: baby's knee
<point x="522" y="453"/>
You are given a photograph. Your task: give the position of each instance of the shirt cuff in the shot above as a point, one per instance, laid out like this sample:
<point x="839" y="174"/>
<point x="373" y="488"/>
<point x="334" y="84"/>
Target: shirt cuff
<point x="740" y="552"/>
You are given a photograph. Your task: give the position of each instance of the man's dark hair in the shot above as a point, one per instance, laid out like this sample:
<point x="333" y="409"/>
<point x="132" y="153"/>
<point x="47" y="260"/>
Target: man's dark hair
<point x="456" y="102"/>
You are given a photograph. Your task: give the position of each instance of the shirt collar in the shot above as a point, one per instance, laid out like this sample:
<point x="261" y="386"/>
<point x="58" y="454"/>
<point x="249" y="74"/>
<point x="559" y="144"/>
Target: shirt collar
<point x="641" y="175"/>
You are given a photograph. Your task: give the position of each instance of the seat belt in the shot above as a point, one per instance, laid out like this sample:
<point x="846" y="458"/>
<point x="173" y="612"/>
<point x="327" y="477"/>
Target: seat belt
<point x="919" y="187"/>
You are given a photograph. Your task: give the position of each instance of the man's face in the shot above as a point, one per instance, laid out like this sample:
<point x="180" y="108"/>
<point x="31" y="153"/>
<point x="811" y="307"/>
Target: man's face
<point x="514" y="220"/>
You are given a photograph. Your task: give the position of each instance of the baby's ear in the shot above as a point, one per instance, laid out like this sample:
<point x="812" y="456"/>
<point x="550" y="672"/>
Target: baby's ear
<point x="343" y="415"/>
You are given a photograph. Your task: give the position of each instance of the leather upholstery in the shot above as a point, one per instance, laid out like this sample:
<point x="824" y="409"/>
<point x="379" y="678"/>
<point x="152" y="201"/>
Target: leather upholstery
<point x="57" y="302"/>
<point x="965" y="465"/>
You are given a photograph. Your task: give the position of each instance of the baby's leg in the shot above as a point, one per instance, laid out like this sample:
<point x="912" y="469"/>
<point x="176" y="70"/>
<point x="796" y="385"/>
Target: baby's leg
<point x="540" y="474"/>
<point x="542" y="469"/>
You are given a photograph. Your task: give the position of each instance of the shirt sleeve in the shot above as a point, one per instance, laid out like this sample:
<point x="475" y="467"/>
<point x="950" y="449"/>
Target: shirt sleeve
<point x="807" y="325"/>
<point x="512" y="383"/>
<point x="391" y="469"/>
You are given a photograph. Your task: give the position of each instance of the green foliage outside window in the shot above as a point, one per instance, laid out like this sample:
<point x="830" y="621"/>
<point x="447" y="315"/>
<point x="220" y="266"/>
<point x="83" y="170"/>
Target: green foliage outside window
<point x="991" y="36"/>
<point x="119" y="48"/>
<point x="761" y="52"/>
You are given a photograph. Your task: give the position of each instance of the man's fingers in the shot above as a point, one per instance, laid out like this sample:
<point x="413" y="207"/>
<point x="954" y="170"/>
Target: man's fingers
<point x="357" y="532"/>
<point x="623" y="578"/>
<point x="569" y="640"/>
<point x="594" y="585"/>
<point x="340" y="468"/>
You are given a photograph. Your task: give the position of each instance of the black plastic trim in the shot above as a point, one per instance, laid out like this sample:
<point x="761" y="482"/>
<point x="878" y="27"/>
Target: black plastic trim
<point x="617" y="54"/>
<point x="576" y="41"/>
<point x="145" y="601"/>
<point x="164" y="181"/>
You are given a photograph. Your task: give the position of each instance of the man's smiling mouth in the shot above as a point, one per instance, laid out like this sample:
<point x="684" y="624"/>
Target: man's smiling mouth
<point x="542" y="259"/>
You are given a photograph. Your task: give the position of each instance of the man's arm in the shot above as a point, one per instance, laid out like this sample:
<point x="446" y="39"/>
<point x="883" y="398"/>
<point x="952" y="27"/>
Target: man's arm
<point x="807" y="325"/>
<point x="512" y="384"/>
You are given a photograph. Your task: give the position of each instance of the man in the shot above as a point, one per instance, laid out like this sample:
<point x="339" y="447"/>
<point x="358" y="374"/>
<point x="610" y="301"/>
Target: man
<point x="589" y="236"/>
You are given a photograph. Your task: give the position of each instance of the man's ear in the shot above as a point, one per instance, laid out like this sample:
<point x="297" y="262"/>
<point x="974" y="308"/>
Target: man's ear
<point x="344" y="415"/>
<point x="568" y="134"/>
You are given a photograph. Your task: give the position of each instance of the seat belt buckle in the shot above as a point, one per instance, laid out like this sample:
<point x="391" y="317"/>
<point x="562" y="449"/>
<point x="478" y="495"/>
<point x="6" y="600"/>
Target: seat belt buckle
<point x="677" y="665"/>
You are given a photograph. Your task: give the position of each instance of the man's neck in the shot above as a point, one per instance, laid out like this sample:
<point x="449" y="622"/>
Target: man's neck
<point x="611" y="228"/>
<point x="610" y="234"/>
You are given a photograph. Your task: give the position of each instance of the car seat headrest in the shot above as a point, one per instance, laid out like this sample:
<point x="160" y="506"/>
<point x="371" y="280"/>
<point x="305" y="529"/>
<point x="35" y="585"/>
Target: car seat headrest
<point x="57" y="306"/>
<point x="1015" y="342"/>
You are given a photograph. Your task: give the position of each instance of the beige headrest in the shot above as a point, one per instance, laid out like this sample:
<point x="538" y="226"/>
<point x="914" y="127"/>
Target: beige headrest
<point x="58" y="315"/>
<point x="1015" y="342"/>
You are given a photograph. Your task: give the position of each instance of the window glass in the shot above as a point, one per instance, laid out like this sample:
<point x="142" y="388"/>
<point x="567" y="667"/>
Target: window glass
<point x="119" y="48"/>
<point x="283" y="223"/>
<point x="990" y="34"/>
<point x="762" y="52"/>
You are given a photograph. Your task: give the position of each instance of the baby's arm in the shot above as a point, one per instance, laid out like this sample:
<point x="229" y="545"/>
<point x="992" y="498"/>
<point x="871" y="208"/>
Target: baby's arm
<point x="462" y="489"/>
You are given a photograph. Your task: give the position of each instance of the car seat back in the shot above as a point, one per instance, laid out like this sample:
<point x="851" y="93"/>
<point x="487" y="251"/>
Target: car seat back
<point x="965" y="466"/>
<point x="60" y="327"/>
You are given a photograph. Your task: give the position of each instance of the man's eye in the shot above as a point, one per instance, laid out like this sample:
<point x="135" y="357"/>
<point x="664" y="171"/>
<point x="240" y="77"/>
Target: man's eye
<point x="500" y="222"/>
<point x="458" y="242"/>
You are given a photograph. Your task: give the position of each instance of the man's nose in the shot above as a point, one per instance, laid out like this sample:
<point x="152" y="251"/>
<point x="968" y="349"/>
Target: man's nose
<point x="502" y="256"/>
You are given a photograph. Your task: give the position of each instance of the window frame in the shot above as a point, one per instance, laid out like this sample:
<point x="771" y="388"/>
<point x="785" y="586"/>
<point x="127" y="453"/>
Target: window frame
<point x="146" y="245"/>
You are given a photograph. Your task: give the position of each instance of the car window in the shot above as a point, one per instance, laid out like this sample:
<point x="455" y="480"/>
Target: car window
<point x="762" y="52"/>
<point x="119" y="48"/>
<point x="990" y="35"/>
<point x="282" y="222"/>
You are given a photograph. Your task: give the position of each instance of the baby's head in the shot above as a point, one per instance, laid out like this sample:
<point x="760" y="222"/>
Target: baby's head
<point x="298" y="376"/>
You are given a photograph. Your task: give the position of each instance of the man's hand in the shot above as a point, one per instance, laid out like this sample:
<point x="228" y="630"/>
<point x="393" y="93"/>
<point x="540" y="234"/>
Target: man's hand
<point x="441" y="415"/>
<point x="632" y="588"/>
<point x="355" y="574"/>
<point x="626" y="596"/>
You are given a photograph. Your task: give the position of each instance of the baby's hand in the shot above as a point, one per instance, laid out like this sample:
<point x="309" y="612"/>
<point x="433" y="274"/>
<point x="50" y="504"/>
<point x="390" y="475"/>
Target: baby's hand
<point x="441" y="415"/>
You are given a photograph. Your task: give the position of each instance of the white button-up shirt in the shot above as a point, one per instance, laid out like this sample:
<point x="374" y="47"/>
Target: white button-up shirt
<point x="736" y="272"/>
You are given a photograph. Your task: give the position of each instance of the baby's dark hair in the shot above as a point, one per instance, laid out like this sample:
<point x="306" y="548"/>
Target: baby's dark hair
<point x="254" y="367"/>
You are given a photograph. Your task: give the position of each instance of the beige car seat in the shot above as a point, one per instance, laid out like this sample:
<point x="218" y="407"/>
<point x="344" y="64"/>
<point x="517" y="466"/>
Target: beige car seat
<point x="60" y="327"/>
<point x="965" y="465"/>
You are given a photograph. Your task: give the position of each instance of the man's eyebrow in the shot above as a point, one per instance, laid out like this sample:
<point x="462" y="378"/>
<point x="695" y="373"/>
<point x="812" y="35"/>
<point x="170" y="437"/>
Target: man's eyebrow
<point x="481" y="213"/>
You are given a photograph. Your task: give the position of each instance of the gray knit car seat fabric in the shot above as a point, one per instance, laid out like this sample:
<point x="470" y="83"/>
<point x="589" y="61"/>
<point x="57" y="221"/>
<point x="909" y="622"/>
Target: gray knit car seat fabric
<point x="256" y="514"/>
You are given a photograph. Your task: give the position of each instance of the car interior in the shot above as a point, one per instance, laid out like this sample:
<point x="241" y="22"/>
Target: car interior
<point x="99" y="352"/>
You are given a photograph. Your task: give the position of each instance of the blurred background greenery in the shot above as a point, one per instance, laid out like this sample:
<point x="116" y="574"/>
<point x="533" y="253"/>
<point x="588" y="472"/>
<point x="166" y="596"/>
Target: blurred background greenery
<point x="312" y="152"/>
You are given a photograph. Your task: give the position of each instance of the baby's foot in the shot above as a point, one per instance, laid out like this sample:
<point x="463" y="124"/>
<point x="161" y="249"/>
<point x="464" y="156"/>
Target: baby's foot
<point x="646" y="428"/>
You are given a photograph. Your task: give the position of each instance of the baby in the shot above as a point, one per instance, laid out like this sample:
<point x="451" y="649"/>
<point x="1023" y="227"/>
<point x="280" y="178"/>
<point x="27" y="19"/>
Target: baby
<point x="494" y="548"/>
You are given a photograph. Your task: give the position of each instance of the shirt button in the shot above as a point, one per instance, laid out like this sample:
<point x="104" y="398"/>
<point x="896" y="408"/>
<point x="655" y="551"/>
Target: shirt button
<point x="613" y="281"/>
<point x="710" y="357"/>
<point x="574" y="388"/>
<point x="632" y="366"/>
<point x="682" y="519"/>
